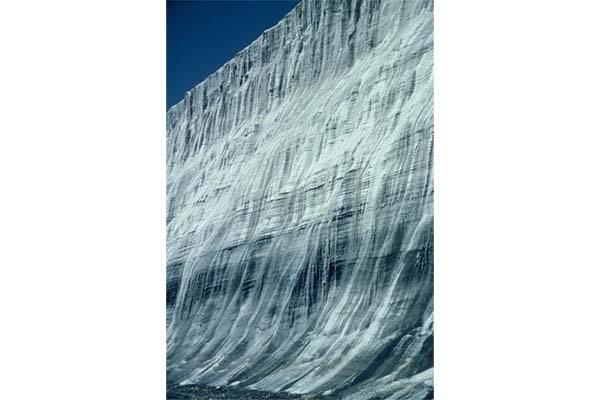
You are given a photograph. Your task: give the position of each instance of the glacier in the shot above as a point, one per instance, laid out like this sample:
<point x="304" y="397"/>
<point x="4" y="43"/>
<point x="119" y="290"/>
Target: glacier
<point x="300" y="209"/>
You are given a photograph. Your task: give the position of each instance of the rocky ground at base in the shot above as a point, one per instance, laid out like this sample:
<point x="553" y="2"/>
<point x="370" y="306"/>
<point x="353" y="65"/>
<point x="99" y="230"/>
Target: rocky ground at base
<point x="198" y="392"/>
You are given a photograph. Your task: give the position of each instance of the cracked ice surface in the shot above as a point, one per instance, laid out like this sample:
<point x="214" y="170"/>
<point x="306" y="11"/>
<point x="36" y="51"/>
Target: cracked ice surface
<point x="300" y="208"/>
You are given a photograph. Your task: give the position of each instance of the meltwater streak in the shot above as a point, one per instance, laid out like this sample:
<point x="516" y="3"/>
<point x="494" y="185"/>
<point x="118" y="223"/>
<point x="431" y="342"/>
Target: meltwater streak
<point x="300" y="209"/>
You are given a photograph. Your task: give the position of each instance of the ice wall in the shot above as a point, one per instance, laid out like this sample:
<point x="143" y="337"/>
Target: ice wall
<point x="300" y="208"/>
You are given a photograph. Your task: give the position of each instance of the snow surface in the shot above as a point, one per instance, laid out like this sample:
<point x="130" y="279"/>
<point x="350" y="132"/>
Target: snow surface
<point x="300" y="208"/>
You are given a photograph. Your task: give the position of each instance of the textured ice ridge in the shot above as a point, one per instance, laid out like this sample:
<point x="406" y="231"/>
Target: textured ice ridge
<point x="300" y="208"/>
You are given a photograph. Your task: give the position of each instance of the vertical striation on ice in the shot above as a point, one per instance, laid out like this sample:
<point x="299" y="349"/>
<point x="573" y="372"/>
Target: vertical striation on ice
<point x="300" y="208"/>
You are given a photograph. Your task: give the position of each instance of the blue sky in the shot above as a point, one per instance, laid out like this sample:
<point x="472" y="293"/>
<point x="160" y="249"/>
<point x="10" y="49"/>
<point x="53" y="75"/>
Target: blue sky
<point x="202" y="35"/>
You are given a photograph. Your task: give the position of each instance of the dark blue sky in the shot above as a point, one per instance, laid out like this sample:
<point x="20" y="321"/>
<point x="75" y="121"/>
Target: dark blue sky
<point x="202" y="35"/>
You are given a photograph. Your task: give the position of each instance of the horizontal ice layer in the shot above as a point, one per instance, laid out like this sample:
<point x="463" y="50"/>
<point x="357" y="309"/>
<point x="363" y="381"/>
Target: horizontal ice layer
<point x="300" y="243"/>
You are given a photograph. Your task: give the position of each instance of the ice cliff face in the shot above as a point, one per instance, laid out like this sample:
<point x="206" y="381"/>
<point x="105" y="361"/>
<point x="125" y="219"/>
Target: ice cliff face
<point x="300" y="201"/>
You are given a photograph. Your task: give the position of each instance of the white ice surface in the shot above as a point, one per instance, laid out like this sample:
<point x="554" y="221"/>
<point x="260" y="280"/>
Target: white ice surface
<point x="300" y="208"/>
